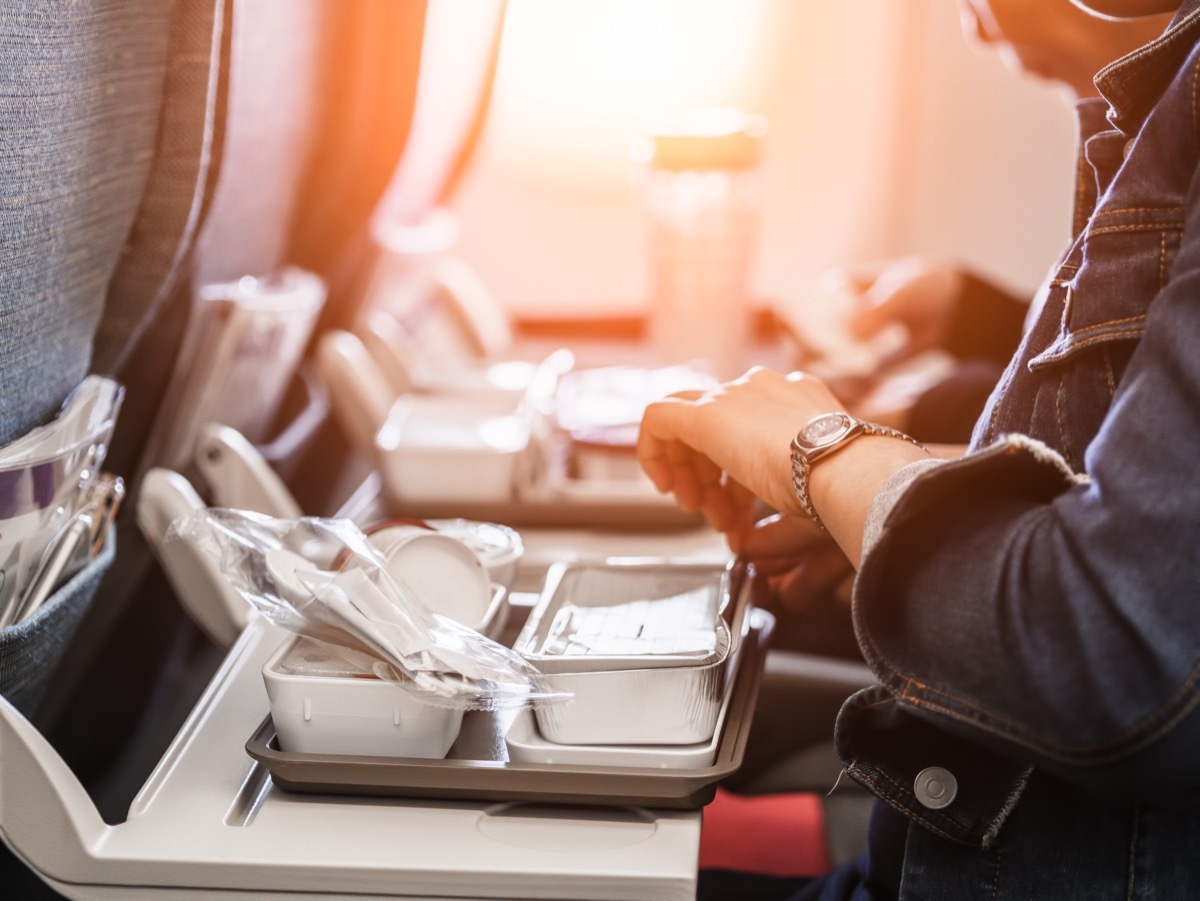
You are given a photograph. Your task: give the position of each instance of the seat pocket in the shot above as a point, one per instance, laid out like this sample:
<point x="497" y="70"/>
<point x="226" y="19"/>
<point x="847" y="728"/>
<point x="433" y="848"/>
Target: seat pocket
<point x="30" y="649"/>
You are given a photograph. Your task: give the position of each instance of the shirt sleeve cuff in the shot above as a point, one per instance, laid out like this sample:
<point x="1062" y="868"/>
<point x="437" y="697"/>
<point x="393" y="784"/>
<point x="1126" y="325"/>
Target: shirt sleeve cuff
<point x="888" y="496"/>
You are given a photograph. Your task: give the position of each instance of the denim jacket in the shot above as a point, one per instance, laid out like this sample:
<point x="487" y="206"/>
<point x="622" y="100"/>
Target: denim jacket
<point x="1033" y="610"/>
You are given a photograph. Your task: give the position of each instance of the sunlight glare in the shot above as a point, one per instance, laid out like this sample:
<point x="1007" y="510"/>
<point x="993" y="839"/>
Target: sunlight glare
<point x="582" y="71"/>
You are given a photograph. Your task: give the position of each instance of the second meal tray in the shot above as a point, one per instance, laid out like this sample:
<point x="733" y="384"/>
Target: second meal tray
<point x="477" y="767"/>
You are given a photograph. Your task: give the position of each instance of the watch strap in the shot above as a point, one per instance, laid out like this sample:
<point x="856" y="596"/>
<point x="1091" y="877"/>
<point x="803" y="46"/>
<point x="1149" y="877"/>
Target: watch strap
<point x="802" y="462"/>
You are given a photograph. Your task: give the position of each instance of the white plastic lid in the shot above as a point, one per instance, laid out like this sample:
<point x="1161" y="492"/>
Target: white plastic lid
<point x="494" y="544"/>
<point x="442" y="572"/>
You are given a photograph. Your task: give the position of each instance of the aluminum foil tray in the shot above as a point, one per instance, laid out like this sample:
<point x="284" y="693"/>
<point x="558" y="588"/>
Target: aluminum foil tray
<point x="611" y="615"/>
<point x="642" y="646"/>
<point x="526" y="744"/>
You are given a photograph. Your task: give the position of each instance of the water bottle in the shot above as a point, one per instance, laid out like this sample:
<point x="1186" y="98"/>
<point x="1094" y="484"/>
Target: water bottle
<point x="699" y="188"/>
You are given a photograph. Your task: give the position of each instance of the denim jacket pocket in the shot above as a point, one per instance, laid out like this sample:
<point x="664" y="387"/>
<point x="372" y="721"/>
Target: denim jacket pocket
<point x="1125" y="258"/>
<point x="1100" y="335"/>
<point x="30" y="649"/>
<point x="1096" y="317"/>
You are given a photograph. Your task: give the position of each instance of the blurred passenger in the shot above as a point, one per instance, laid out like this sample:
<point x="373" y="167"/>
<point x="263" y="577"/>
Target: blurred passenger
<point x="948" y="307"/>
<point x="1032" y="608"/>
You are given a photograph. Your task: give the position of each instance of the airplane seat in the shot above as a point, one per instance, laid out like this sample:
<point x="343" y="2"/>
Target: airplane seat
<point x="82" y="89"/>
<point x="81" y="86"/>
<point x="149" y="149"/>
<point x="146" y="150"/>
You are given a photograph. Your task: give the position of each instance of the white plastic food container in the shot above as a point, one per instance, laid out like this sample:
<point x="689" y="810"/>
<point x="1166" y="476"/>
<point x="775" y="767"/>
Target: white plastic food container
<point x="327" y="703"/>
<point x="606" y="454"/>
<point x="434" y="449"/>
<point x="639" y="681"/>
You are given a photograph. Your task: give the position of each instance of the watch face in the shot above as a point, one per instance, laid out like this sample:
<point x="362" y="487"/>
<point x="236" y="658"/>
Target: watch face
<point x="824" y="429"/>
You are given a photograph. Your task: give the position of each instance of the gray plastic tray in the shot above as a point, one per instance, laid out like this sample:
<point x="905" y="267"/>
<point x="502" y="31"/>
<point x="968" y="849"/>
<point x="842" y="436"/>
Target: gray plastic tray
<point x="477" y="766"/>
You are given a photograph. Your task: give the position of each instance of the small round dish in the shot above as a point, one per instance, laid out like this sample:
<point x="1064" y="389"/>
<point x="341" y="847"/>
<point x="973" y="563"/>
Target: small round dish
<point x="442" y="572"/>
<point x="499" y="547"/>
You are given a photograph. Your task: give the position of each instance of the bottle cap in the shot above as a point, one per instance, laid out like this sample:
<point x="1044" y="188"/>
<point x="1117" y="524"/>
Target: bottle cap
<point x="706" y="138"/>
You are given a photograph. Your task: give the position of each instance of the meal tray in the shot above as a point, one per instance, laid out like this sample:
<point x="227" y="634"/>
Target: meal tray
<point x="558" y="510"/>
<point x="477" y="767"/>
<point x="611" y="511"/>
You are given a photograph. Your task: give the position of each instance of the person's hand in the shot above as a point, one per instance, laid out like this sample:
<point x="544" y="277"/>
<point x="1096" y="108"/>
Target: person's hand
<point x="803" y="566"/>
<point x="918" y="294"/>
<point x="719" y="450"/>
<point x="892" y="397"/>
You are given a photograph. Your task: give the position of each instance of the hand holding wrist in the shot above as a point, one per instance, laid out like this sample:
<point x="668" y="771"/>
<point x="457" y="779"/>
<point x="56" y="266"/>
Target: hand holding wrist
<point x="717" y="450"/>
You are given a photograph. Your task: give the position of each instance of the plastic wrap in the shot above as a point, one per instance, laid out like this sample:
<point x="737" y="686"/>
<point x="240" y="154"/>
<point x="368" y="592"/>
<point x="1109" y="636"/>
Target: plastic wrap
<point x="322" y="578"/>
<point x="45" y="480"/>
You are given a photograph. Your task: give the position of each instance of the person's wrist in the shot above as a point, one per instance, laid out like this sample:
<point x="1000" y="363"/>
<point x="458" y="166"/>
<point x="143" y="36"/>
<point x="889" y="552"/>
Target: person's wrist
<point x="822" y="436"/>
<point x="844" y="486"/>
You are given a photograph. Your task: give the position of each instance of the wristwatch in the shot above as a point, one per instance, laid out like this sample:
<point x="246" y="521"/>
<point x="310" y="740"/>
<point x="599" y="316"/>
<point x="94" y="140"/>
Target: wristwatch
<point x="820" y="437"/>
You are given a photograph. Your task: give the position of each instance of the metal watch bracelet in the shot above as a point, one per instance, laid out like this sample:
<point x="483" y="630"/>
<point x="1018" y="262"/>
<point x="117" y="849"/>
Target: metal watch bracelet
<point x="802" y="466"/>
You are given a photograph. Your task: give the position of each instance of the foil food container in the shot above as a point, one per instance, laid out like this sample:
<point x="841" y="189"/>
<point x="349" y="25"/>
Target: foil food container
<point x="628" y="614"/>
<point x="658" y="676"/>
<point x="661" y="706"/>
<point x="526" y="744"/>
<point x="324" y="702"/>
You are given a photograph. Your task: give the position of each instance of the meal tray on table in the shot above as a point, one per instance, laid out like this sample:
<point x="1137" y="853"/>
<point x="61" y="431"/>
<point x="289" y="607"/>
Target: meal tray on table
<point x="478" y="768"/>
<point x="569" y="507"/>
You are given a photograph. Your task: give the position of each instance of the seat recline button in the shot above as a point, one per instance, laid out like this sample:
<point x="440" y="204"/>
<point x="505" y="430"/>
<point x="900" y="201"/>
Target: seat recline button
<point x="935" y="787"/>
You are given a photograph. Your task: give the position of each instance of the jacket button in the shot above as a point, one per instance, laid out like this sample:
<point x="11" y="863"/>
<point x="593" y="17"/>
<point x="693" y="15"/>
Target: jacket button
<point x="935" y="787"/>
